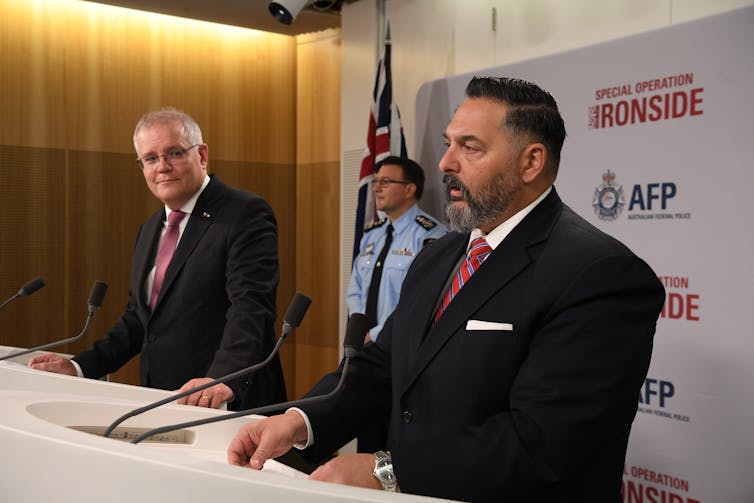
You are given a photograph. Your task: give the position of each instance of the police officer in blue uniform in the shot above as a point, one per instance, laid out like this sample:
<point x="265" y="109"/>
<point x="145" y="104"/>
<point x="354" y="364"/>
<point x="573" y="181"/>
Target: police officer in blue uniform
<point x="397" y="187"/>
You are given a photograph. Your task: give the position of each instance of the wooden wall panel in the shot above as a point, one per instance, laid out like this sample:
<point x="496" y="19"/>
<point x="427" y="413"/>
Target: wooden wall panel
<point x="76" y="78"/>
<point x="32" y="71"/>
<point x="32" y="243"/>
<point x="318" y="204"/>
<point x="79" y="75"/>
<point x="318" y="83"/>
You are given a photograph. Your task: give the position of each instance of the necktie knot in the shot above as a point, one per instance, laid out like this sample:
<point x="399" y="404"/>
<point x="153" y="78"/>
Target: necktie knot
<point x="478" y="252"/>
<point x="175" y="218"/>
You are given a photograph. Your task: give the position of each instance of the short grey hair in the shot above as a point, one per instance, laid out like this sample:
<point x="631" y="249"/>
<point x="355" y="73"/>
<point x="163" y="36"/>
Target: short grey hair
<point x="170" y="115"/>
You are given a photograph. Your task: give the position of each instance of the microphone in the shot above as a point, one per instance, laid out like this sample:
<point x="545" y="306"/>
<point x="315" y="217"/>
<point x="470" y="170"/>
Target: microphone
<point x="26" y="290"/>
<point x="95" y="301"/>
<point x="357" y="326"/>
<point x="292" y="319"/>
<point x="353" y="342"/>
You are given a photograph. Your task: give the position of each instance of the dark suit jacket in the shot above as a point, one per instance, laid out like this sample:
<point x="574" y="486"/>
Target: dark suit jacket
<point x="540" y="412"/>
<point x="216" y="309"/>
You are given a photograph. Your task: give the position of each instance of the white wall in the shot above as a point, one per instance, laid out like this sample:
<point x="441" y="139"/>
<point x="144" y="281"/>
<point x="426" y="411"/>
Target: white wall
<point x="439" y="38"/>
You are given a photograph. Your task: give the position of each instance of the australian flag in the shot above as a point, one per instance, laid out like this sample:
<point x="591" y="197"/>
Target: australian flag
<point x="384" y="138"/>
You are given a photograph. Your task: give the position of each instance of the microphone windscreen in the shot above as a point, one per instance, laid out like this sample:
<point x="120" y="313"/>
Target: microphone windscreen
<point x="32" y="286"/>
<point x="98" y="294"/>
<point x="356" y="330"/>
<point x="297" y="309"/>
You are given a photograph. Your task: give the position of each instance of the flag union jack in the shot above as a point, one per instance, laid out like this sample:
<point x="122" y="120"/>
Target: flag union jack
<point x="384" y="138"/>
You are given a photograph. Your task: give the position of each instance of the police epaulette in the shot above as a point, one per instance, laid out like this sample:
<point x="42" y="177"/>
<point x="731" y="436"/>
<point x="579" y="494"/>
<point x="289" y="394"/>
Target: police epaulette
<point x="374" y="225"/>
<point x="426" y="222"/>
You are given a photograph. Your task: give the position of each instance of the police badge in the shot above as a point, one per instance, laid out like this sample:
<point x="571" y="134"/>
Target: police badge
<point x="608" y="199"/>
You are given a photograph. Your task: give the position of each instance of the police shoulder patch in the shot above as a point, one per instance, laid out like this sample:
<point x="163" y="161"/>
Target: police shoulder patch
<point x="375" y="225"/>
<point x="426" y="222"/>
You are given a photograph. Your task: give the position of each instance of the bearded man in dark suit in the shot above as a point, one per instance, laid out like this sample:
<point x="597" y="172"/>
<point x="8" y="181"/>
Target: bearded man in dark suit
<point x="510" y="370"/>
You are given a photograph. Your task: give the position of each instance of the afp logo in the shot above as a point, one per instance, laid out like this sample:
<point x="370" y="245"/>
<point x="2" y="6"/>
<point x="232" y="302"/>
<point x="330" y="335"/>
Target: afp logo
<point x="661" y="193"/>
<point x="608" y="199"/>
<point x="647" y="202"/>
<point x="655" y="397"/>
<point x="652" y="202"/>
<point x="656" y="392"/>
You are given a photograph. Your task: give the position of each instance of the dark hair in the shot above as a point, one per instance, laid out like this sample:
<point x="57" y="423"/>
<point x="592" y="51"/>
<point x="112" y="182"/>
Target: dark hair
<point x="412" y="172"/>
<point x="532" y="110"/>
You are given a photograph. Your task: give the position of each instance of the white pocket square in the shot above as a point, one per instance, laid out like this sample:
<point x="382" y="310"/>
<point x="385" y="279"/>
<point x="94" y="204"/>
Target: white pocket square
<point x="488" y="325"/>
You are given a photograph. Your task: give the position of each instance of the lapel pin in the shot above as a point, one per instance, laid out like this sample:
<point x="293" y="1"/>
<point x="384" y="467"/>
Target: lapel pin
<point x="206" y="215"/>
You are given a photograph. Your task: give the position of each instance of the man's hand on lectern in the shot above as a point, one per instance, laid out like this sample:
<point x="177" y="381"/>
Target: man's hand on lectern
<point x="52" y="362"/>
<point x="259" y="441"/>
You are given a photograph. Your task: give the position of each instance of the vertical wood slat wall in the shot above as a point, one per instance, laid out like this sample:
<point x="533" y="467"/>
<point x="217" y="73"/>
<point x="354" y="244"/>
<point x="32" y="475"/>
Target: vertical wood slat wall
<point x="74" y="79"/>
<point x="318" y="203"/>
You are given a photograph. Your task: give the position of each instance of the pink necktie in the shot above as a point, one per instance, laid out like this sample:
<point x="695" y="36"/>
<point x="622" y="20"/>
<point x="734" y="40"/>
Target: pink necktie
<point x="165" y="253"/>
<point x="478" y="252"/>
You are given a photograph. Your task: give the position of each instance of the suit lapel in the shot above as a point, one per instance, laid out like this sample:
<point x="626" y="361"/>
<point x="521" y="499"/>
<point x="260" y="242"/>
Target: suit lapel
<point x="435" y="271"/>
<point x="499" y="268"/>
<point x="504" y="263"/>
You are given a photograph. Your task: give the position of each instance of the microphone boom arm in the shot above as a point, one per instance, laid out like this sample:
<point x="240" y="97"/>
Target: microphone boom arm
<point x="26" y="290"/>
<point x="220" y="380"/>
<point x="247" y="412"/>
<point x="292" y="319"/>
<point x="52" y="344"/>
<point x="10" y="299"/>
<point x="99" y="289"/>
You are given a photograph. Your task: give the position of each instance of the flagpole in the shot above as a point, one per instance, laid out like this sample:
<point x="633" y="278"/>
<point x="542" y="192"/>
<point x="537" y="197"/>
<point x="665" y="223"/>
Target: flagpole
<point x="381" y="22"/>
<point x="384" y="137"/>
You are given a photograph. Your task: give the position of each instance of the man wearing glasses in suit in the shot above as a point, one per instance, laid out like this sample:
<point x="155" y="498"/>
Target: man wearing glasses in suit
<point x="204" y="276"/>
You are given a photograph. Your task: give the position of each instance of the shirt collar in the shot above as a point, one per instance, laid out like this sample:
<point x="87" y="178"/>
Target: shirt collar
<point x="189" y="206"/>
<point x="496" y="235"/>
<point x="403" y="221"/>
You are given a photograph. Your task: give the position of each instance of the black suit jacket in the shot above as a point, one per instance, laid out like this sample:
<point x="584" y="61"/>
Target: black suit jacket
<point x="539" y="411"/>
<point x="216" y="310"/>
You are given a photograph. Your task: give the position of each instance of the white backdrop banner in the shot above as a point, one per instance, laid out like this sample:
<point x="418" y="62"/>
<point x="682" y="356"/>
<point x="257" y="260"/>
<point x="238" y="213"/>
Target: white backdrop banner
<point x="660" y="154"/>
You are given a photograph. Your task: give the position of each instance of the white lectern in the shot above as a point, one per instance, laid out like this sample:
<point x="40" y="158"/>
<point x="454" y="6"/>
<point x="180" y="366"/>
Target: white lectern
<point x="49" y="453"/>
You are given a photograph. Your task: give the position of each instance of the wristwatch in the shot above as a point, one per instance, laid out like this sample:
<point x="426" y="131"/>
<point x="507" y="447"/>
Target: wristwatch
<point x="383" y="471"/>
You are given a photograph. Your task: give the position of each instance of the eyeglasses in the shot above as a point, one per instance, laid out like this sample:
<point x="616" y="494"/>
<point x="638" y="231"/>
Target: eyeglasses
<point x="172" y="155"/>
<point x="381" y="182"/>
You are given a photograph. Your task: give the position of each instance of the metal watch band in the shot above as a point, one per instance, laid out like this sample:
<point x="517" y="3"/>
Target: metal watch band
<point x="383" y="471"/>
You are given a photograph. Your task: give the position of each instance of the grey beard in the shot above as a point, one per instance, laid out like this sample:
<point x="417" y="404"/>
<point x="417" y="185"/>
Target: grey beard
<point x="460" y="219"/>
<point x="490" y="203"/>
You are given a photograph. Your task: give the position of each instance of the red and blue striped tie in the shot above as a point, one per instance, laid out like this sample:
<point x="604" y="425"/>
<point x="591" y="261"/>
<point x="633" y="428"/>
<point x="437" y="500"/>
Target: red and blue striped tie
<point x="477" y="254"/>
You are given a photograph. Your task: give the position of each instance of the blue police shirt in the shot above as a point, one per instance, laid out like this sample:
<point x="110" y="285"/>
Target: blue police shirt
<point x="409" y="233"/>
